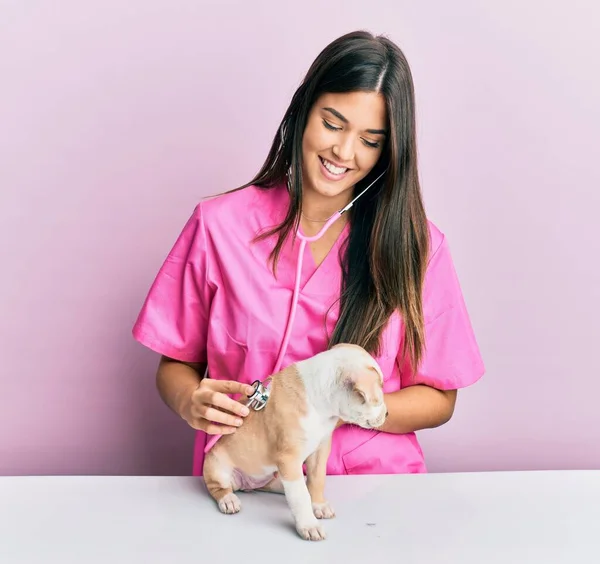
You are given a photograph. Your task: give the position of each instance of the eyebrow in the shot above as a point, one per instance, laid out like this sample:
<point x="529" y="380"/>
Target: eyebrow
<point x="345" y="120"/>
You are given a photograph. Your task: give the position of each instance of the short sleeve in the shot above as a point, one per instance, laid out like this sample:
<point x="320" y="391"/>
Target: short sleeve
<point x="173" y="320"/>
<point x="451" y="358"/>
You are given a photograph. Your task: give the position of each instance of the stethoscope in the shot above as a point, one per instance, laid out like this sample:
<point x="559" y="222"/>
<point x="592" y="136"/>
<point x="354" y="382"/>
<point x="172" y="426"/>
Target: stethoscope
<point x="258" y="399"/>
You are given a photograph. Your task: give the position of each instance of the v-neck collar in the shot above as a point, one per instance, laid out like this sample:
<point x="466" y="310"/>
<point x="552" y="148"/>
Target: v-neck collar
<point x="321" y="280"/>
<point x="324" y="273"/>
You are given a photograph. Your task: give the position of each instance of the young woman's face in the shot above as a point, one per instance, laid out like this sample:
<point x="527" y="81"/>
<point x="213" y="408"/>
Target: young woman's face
<point x="342" y="141"/>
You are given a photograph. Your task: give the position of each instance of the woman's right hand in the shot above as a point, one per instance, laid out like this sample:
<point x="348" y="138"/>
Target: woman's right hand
<point x="209" y="408"/>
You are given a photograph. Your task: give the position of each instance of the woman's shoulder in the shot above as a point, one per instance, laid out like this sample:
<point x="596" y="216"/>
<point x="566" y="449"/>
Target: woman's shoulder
<point x="440" y="278"/>
<point x="235" y="205"/>
<point x="229" y="202"/>
<point x="437" y="238"/>
<point x="239" y="215"/>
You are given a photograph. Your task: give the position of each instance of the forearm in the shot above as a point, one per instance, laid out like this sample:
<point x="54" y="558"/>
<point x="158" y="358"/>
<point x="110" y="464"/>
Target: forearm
<point x="418" y="407"/>
<point x="176" y="382"/>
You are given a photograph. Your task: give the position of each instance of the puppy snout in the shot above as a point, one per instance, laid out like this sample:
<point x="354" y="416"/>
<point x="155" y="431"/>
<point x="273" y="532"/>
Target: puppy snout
<point x="378" y="420"/>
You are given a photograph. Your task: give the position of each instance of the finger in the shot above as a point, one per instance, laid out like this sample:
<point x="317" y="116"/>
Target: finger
<point x="201" y="424"/>
<point x="217" y="416"/>
<point x="217" y="399"/>
<point x="230" y="387"/>
<point x="204" y="408"/>
<point x="214" y="429"/>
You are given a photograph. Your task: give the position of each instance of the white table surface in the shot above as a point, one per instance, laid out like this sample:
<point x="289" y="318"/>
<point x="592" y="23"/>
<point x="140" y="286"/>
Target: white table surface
<point x="470" y="518"/>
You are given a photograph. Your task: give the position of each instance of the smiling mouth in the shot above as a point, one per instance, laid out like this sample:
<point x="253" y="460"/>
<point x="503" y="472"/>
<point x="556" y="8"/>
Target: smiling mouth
<point x="333" y="169"/>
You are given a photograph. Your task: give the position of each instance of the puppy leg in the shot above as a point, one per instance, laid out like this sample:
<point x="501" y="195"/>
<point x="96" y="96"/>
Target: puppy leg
<point x="316" y="470"/>
<point x="298" y="498"/>
<point x="218" y="477"/>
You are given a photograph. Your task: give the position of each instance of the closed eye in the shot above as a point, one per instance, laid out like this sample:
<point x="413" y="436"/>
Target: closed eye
<point x="371" y="144"/>
<point x="330" y="127"/>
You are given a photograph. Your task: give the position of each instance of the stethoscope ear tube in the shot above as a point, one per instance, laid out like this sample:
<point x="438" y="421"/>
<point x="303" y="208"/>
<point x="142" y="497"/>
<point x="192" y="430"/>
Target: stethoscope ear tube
<point x="357" y="197"/>
<point x="335" y="216"/>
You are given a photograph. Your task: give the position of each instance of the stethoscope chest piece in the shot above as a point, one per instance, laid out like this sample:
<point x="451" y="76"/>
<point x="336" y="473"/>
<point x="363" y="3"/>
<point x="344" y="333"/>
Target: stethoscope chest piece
<point x="259" y="397"/>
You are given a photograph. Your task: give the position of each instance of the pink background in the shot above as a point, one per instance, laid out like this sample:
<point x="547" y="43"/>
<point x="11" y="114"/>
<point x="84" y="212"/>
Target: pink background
<point x="116" y="117"/>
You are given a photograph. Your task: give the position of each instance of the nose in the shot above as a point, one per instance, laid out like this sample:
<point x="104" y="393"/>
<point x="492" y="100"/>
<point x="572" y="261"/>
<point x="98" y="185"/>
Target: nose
<point x="344" y="151"/>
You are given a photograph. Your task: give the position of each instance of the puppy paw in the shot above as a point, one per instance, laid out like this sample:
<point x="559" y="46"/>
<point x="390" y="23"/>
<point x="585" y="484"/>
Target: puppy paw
<point x="311" y="531"/>
<point x="323" y="510"/>
<point x="230" y="504"/>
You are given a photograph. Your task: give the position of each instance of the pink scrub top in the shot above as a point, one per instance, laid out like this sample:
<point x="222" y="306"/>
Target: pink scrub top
<point x="215" y="300"/>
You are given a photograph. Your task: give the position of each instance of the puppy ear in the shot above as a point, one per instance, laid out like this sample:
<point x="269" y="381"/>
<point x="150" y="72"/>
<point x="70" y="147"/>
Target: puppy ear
<point x="353" y="387"/>
<point x="359" y="392"/>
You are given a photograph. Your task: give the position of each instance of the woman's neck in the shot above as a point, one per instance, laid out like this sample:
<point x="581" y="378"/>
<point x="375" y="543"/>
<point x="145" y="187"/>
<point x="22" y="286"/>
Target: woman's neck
<point x="317" y="208"/>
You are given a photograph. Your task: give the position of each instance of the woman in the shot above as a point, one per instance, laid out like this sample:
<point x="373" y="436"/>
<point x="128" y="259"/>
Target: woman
<point x="381" y="276"/>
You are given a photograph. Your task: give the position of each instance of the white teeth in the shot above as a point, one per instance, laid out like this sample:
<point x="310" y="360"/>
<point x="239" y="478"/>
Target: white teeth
<point x="333" y="169"/>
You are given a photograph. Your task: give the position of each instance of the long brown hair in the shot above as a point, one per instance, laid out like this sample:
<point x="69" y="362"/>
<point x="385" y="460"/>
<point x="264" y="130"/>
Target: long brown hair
<point x="385" y="259"/>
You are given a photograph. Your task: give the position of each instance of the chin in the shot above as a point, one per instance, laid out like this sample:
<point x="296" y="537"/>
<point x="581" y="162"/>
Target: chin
<point x="330" y="191"/>
<point x="331" y="188"/>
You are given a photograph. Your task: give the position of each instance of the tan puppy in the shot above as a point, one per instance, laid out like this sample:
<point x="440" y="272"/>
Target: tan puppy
<point x="306" y="402"/>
